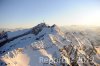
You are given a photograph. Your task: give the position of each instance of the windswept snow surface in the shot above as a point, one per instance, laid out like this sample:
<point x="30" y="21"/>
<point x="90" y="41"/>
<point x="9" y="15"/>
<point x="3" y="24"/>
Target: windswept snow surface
<point x="45" y="48"/>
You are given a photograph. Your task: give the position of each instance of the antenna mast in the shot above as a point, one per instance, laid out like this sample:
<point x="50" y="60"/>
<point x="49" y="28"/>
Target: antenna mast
<point x="43" y="21"/>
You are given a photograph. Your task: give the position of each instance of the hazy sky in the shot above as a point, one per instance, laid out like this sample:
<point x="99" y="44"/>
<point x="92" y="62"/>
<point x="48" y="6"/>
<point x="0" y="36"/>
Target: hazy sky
<point x="27" y="13"/>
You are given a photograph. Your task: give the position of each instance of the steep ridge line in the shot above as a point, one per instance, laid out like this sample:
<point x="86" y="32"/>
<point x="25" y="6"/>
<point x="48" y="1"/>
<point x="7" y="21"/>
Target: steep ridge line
<point x="11" y="39"/>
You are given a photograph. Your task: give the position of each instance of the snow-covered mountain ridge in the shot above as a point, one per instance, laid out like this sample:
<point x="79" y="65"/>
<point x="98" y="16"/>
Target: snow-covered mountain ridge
<point x="48" y="43"/>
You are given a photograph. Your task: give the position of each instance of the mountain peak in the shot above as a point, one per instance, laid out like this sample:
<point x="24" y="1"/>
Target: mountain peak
<point x="40" y="27"/>
<point x="49" y="42"/>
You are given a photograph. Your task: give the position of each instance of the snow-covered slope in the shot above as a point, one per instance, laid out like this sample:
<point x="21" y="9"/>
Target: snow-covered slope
<point x="45" y="46"/>
<point x="16" y="33"/>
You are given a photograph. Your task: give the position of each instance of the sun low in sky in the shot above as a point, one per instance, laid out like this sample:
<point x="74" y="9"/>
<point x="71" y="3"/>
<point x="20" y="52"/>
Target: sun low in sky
<point x="27" y="13"/>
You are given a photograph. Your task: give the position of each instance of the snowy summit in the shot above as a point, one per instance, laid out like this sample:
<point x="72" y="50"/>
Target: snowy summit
<point x="45" y="45"/>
